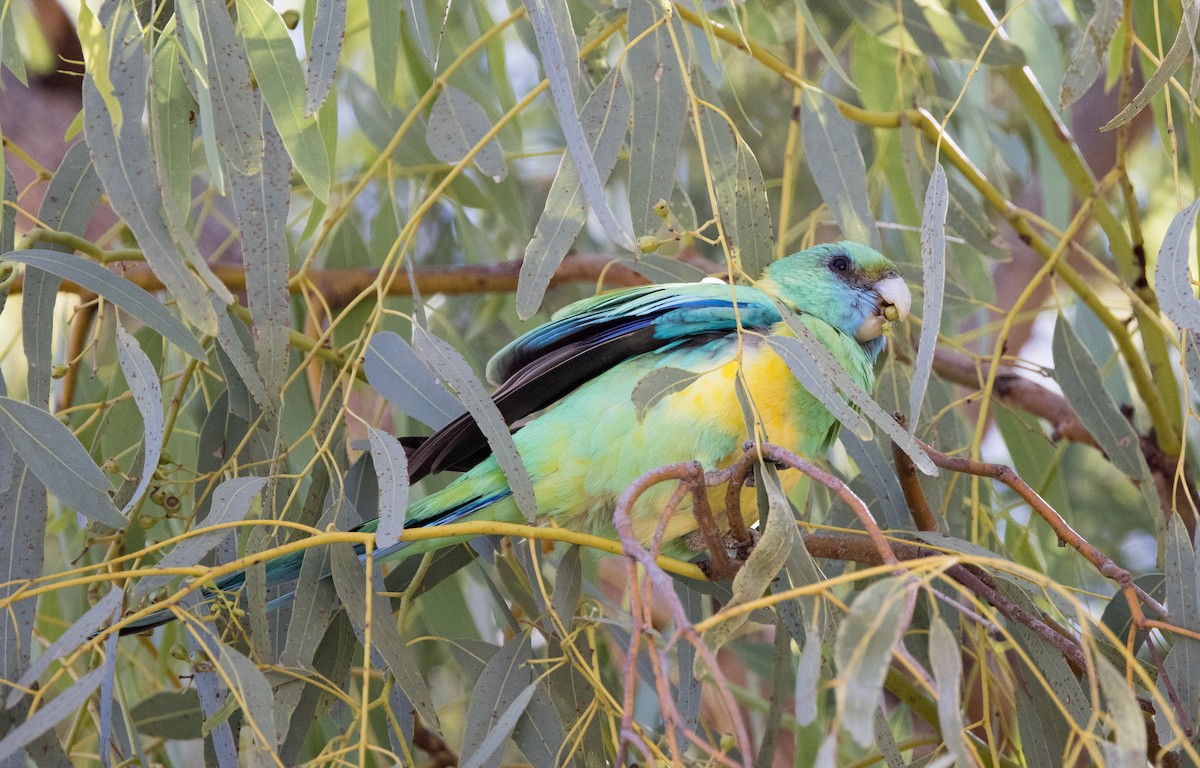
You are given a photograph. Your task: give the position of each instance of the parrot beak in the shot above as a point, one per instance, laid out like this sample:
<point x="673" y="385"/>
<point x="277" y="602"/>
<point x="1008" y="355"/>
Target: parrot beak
<point x="893" y="301"/>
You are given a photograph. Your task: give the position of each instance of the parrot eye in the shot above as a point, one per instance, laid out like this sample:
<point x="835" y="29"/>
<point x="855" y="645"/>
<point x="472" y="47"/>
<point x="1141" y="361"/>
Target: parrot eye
<point x="839" y="264"/>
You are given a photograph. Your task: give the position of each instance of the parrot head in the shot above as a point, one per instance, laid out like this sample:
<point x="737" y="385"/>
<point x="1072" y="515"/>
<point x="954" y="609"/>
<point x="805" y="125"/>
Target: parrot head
<point x="852" y="287"/>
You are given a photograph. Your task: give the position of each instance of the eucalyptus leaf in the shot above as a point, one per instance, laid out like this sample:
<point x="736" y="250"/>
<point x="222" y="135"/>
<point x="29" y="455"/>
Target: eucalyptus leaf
<point x="656" y="385"/>
<point x="391" y="466"/>
<point x="50" y="714"/>
<point x="400" y="375"/>
<point x="451" y="366"/>
<point x="604" y="121"/>
<point x="59" y="461"/>
<point x="837" y="167"/>
<point x="142" y="380"/>
<point x="865" y="642"/>
<point x="1172" y="281"/>
<point x="933" y="272"/>
<point x="328" y="34"/>
<point x="456" y="126"/>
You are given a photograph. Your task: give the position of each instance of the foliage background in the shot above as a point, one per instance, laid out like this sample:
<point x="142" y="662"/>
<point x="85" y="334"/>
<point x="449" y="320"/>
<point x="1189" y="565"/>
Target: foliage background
<point x="284" y="185"/>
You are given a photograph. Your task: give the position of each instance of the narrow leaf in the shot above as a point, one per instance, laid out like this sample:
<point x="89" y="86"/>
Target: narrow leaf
<point x="235" y="113"/>
<point x="387" y="648"/>
<point x="656" y="385"/>
<point x="391" y="466"/>
<point x="456" y="125"/>
<point x="1125" y="715"/>
<point x="451" y="366"/>
<point x="1172" y="280"/>
<point x="123" y="159"/>
<point x="400" y="375"/>
<point x="49" y="715"/>
<point x="865" y="642"/>
<point x="59" y="461"/>
<point x="328" y="33"/>
<point x="142" y="380"/>
<point x="604" y="122"/>
<point x="945" y="657"/>
<point x="659" y="110"/>
<point x="231" y="501"/>
<point x="280" y="78"/>
<point x="910" y="24"/>
<point x="1170" y="64"/>
<point x="837" y="167"/>
<point x="230" y="340"/>
<point x="247" y="686"/>
<point x="261" y="202"/>
<point x="504" y="678"/>
<point x="559" y="53"/>
<point x="1090" y="56"/>
<point x="933" y="270"/>
<point x="116" y="289"/>
<point x="384" y="30"/>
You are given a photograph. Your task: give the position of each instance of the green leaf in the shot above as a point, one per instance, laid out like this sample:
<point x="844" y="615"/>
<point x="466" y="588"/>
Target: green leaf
<point x="451" y="366"/>
<point x="231" y="502"/>
<point x="400" y="375"/>
<point x="456" y="125"/>
<point x="384" y="30"/>
<point x="248" y="690"/>
<point x="229" y="336"/>
<point x="280" y="78"/>
<point x="1179" y="680"/>
<point x="1090" y="56"/>
<point x="1125" y="716"/>
<point x="261" y="202"/>
<point x="659" y="110"/>
<point x="836" y="162"/>
<point x="945" y="657"/>
<point x="391" y="467"/>
<point x="169" y="715"/>
<point x="123" y="160"/>
<point x="663" y="269"/>
<point x="1082" y="385"/>
<point x="929" y="28"/>
<point x="1172" y="281"/>
<point x="933" y="272"/>
<point x="560" y="57"/>
<point x="142" y="380"/>
<point x="504" y="678"/>
<point x="656" y="385"/>
<point x="235" y="115"/>
<point x="171" y="112"/>
<point x="49" y="715"/>
<point x="604" y="121"/>
<point x="1171" y="62"/>
<point x="328" y="32"/>
<point x="387" y="647"/>
<point x="865" y="642"/>
<point x="59" y="461"/>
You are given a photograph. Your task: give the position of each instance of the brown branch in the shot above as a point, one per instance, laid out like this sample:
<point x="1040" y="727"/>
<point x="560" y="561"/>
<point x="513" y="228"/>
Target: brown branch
<point x="910" y="484"/>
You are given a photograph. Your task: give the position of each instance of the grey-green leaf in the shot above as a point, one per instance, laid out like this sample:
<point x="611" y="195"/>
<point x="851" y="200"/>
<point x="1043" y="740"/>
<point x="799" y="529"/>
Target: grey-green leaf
<point x="235" y="104"/>
<point x="456" y="125"/>
<point x="559" y="54"/>
<point x="604" y="121"/>
<point x="49" y="715"/>
<point x="281" y="80"/>
<point x="451" y="366"/>
<point x="933" y="270"/>
<point x="837" y="167"/>
<point x="505" y="677"/>
<point x="865" y="642"/>
<point x="231" y="501"/>
<point x="328" y="33"/>
<point x="656" y="385"/>
<point x="387" y="647"/>
<point x="391" y="466"/>
<point x="1171" y="63"/>
<point x="400" y="375"/>
<point x="945" y="657"/>
<point x="142" y="380"/>
<point x="659" y="110"/>
<point x="59" y="461"/>
<point x="1172" y="281"/>
<point x="1090" y="56"/>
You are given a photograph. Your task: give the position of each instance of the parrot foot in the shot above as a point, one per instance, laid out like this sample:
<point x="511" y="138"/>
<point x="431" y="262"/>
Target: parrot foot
<point x="718" y="567"/>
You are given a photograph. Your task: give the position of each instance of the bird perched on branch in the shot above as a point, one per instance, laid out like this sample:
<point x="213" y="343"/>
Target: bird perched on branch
<point x="592" y="440"/>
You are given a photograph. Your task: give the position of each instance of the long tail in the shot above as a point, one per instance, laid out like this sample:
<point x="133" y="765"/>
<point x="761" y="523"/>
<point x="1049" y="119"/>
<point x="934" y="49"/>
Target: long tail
<point x="283" y="569"/>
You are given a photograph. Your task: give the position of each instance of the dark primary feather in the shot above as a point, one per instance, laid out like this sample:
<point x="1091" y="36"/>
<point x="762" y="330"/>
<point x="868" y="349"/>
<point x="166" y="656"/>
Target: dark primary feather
<point x="581" y="342"/>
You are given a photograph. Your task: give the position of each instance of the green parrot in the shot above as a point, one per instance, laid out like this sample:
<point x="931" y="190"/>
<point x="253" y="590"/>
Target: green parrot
<point x="588" y="440"/>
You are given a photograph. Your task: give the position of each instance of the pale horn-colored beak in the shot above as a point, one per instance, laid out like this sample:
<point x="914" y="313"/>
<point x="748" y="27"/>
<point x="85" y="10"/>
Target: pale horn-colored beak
<point x="893" y="303"/>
